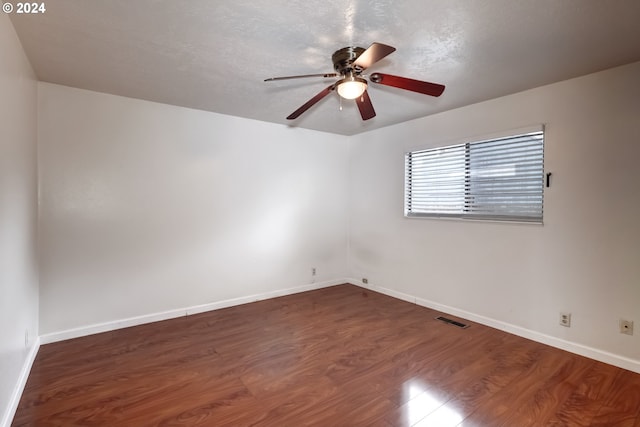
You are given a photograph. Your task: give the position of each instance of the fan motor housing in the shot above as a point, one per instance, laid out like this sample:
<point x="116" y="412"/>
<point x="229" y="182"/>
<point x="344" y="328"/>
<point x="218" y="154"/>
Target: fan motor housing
<point x="343" y="59"/>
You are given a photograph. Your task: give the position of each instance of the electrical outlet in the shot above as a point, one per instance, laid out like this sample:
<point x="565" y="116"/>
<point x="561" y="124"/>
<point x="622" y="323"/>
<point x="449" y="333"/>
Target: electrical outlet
<point x="626" y="327"/>
<point x="365" y="280"/>
<point x="565" y="320"/>
<point x="313" y="271"/>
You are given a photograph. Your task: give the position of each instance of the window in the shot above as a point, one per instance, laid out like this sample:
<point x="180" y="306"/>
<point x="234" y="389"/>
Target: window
<point x="497" y="179"/>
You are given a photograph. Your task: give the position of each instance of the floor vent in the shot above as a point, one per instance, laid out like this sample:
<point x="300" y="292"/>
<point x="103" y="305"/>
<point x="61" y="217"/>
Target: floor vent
<point x="452" y="322"/>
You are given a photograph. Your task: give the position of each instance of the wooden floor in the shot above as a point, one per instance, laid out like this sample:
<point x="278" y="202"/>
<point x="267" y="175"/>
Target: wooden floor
<point x="339" y="356"/>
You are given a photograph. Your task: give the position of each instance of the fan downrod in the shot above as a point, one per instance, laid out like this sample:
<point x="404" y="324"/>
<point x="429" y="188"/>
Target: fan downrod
<point x="344" y="58"/>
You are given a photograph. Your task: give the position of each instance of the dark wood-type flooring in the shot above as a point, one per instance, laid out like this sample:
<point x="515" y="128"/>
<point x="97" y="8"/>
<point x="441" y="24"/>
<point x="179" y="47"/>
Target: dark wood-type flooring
<point x="339" y="356"/>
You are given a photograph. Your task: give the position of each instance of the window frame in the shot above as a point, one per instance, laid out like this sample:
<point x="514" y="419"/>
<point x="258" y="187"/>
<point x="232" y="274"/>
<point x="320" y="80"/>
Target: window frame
<point x="468" y="205"/>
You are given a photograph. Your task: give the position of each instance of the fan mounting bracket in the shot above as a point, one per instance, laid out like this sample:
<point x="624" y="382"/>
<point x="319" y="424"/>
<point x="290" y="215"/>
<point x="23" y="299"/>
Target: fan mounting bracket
<point x="344" y="58"/>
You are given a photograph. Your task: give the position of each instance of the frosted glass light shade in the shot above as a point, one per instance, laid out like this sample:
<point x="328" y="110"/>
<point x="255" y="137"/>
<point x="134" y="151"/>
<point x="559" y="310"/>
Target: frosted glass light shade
<point x="351" y="87"/>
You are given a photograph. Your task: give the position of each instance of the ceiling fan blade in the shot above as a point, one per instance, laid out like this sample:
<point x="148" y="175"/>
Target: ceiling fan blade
<point x="365" y="106"/>
<point x="373" y="54"/>
<point x="302" y="76"/>
<point x="311" y="102"/>
<point x="419" y="86"/>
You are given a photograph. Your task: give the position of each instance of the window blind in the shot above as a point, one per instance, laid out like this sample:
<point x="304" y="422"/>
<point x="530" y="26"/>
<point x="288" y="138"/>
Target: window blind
<point x="496" y="179"/>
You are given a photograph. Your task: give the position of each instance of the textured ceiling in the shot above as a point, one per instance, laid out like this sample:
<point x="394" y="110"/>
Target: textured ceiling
<point x="214" y="55"/>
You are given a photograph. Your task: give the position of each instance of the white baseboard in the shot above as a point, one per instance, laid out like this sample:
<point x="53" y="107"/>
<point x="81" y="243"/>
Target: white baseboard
<point x="582" y="350"/>
<point x="172" y="314"/>
<point x="10" y="411"/>
<point x="259" y="297"/>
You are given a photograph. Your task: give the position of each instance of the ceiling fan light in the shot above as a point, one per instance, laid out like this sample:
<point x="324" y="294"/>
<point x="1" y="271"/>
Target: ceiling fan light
<point x="351" y="87"/>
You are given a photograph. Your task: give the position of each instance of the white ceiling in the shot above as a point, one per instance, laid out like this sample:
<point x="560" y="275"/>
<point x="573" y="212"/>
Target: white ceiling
<point x="214" y="54"/>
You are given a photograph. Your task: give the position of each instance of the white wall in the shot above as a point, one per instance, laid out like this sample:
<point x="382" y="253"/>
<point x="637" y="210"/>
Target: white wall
<point x="18" y="216"/>
<point x="148" y="207"/>
<point x="586" y="257"/>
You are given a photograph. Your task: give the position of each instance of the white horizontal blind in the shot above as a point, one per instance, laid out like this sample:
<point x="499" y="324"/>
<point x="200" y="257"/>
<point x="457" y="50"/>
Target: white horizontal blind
<point x="497" y="179"/>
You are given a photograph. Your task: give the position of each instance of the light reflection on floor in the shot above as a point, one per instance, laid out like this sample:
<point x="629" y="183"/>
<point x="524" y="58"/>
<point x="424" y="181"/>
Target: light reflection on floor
<point x="444" y="416"/>
<point x="427" y="409"/>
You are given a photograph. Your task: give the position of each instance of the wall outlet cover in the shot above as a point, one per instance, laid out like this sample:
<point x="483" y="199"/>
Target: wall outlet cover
<point x="565" y="320"/>
<point x="626" y="327"/>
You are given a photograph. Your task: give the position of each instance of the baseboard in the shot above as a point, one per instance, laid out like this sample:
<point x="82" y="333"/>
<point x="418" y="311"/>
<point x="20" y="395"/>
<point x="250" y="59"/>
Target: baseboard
<point x="582" y="350"/>
<point x="10" y="411"/>
<point x="259" y="297"/>
<point x="172" y="314"/>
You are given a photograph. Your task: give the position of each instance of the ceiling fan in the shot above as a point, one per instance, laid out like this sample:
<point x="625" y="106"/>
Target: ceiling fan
<point x="349" y="63"/>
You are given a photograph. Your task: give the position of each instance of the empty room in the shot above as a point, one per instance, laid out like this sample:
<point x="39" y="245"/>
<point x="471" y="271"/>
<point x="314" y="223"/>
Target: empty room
<point x="336" y="214"/>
